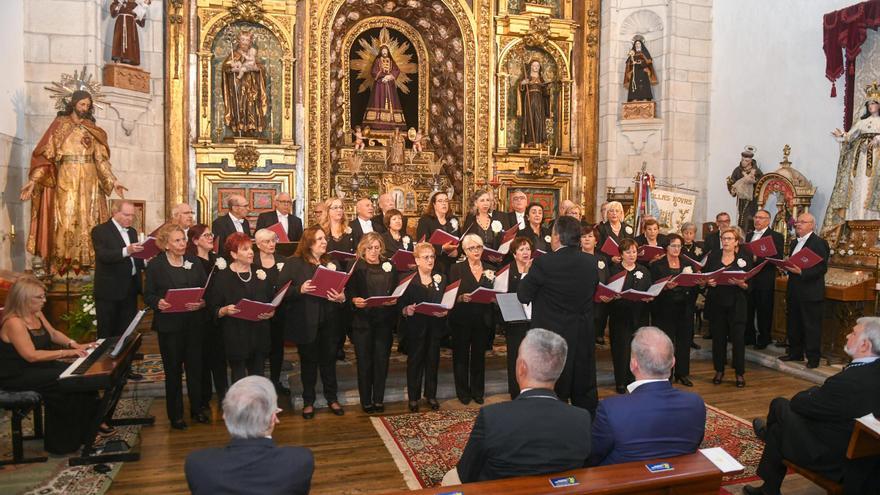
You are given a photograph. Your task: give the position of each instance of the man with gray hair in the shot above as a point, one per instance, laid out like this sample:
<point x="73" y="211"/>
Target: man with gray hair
<point x="282" y="214"/>
<point x="234" y="221"/>
<point x="183" y="216"/>
<point x="813" y="429"/>
<point x="536" y="433"/>
<point x="250" y="463"/>
<point x="655" y="420"/>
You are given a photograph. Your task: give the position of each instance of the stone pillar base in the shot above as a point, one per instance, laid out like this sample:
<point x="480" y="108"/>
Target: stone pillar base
<point x="127" y="77"/>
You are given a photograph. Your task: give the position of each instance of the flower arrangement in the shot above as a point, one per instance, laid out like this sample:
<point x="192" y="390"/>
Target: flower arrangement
<point x="81" y="320"/>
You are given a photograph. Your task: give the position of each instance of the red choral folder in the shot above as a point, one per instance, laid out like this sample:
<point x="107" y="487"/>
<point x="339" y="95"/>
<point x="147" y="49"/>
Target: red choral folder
<point x="692" y="279"/>
<point x="279" y="231"/>
<point x="644" y="296"/>
<point x="803" y="259"/>
<point x="403" y="260"/>
<point x="251" y="310"/>
<point x="496" y="256"/>
<point x="150" y="249"/>
<point x="435" y="309"/>
<point x="648" y="253"/>
<point x="763" y="247"/>
<point x="179" y="298"/>
<point x="326" y="279"/>
<point x="727" y="277"/>
<point x="610" y="247"/>
<point x="610" y="289"/>
<point x="376" y="301"/>
<point x="698" y="265"/>
<point x="341" y="255"/>
<point x="484" y="295"/>
<point x="441" y="237"/>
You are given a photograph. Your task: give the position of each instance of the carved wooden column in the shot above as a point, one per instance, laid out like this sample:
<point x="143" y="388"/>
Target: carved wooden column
<point x="177" y="15"/>
<point x="588" y="93"/>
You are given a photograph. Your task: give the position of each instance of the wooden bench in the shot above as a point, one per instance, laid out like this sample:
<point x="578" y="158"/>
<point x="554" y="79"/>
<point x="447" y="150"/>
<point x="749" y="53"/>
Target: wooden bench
<point x="692" y="474"/>
<point x="863" y="442"/>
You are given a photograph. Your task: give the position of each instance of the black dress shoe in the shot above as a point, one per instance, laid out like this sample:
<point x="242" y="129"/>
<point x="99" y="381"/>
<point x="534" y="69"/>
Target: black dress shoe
<point x="478" y="400"/>
<point x="308" y="414"/>
<point x="464" y="400"/>
<point x="812" y="364"/>
<point x="379" y="407"/>
<point x="281" y="389"/>
<point x="179" y="424"/>
<point x="200" y="417"/>
<point x="620" y="389"/>
<point x="696" y="346"/>
<point x="338" y="410"/>
<point x="740" y="381"/>
<point x="368" y="408"/>
<point x="753" y="490"/>
<point x="413" y="406"/>
<point x="684" y="381"/>
<point x="434" y="404"/>
<point x="719" y="376"/>
<point x="786" y="357"/>
<point x="760" y="427"/>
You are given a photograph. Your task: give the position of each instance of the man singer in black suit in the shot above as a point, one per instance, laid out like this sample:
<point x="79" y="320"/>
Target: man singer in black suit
<point x="560" y="286"/>
<point x="117" y="274"/>
<point x="813" y="429"/>
<point x="804" y="295"/>
<point x="535" y="433"/>
<point x="364" y="222"/>
<point x="250" y="462"/>
<point x="234" y="221"/>
<point x="763" y="285"/>
<point x="283" y="214"/>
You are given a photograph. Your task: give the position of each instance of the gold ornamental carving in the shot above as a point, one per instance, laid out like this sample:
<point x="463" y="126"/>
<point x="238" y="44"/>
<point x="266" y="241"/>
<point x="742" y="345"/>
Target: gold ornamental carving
<point x="638" y="110"/>
<point x="248" y="10"/>
<point x="246" y="157"/>
<point x="539" y="31"/>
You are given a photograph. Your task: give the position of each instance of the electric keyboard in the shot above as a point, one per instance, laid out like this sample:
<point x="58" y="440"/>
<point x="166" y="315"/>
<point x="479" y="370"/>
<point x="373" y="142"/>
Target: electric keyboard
<point x="99" y="369"/>
<point x="82" y="364"/>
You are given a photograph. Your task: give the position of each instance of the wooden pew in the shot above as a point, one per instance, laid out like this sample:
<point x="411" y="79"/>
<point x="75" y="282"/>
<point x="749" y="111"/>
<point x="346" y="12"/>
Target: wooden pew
<point x="692" y="474"/>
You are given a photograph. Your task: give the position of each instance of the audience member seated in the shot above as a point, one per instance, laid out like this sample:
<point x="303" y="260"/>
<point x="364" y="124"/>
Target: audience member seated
<point x="813" y="429"/>
<point x="655" y="419"/>
<point x="250" y="463"/>
<point x="535" y="433"/>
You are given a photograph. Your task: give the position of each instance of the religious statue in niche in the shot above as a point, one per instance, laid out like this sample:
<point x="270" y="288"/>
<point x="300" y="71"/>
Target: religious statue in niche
<point x="396" y="153"/>
<point x="533" y="106"/>
<point x="639" y="74"/>
<point x="385" y="67"/>
<point x="245" y="96"/>
<point x="70" y="179"/>
<point x="358" y="138"/>
<point x="856" y="194"/>
<point x="416" y="138"/>
<point x="741" y="185"/>
<point x="128" y="14"/>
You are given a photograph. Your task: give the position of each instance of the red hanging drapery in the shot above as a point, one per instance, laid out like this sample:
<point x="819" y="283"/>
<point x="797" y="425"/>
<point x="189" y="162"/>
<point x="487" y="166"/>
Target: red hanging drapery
<point x="845" y="31"/>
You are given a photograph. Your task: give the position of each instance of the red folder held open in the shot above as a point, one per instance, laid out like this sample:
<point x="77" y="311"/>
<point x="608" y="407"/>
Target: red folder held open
<point x="376" y="301"/>
<point x="251" y="310"/>
<point x="610" y="247"/>
<point x="648" y="253"/>
<point x="179" y="298"/>
<point x="403" y="260"/>
<point x="763" y="247"/>
<point x="150" y="249"/>
<point x="803" y="259"/>
<point x="279" y="231"/>
<point x="729" y="277"/>
<point x="437" y="310"/>
<point x="326" y="279"/>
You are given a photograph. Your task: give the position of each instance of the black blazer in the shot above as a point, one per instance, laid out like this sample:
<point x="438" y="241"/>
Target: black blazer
<point x="252" y="465"/>
<point x="605" y="232"/>
<point x="392" y="246"/>
<point x="810" y="284"/>
<point x="416" y="293"/>
<point x="427" y="226"/>
<point x="623" y="310"/>
<point x="380" y="219"/>
<point x="510" y="219"/>
<point x="304" y="312"/>
<point x="294" y="224"/>
<point x="372" y="280"/>
<point x="560" y="285"/>
<point x="712" y="242"/>
<point x="113" y="278"/>
<point x="661" y="269"/>
<point x="240" y="337"/>
<point x="818" y="434"/>
<point x="469" y="313"/>
<point x="357" y="231"/>
<point x="539" y="241"/>
<point x="222" y="228"/>
<point x="490" y="238"/>
<point x="641" y="240"/>
<point x="766" y="278"/>
<point x="535" y="433"/>
<point x="160" y="277"/>
<point x="727" y="295"/>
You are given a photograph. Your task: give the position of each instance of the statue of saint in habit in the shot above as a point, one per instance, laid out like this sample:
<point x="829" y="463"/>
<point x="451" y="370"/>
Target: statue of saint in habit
<point x="533" y="106"/>
<point x="244" y="89"/>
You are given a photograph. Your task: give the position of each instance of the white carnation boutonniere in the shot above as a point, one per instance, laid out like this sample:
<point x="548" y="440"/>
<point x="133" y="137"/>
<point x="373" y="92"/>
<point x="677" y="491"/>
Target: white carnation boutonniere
<point x="261" y="274"/>
<point x="454" y="223"/>
<point x="437" y="278"/>
<point x="629" y="230"/>
<point x="280" y="266"/>
<point x="220" y="264"/>
<point x="331" y="266"/>
<point x="639" y="275"/>
<point x="687" y="269"/>
<point x="698" y="250"/>
<point x="601" y="265"/>
<point x="496" y="226"/>
<point x="546" y="238"/>
<point x="490" y="275"/>
<point x="386" y="267"/>
<point x="187" y="265"/>
<point x="741" y="263"/>
<point x="406" y="241"/>
<point x="348" y="230"/>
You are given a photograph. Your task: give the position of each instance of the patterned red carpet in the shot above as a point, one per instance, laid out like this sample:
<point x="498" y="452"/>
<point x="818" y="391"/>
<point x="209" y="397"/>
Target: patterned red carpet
<point x="427" y="445"/>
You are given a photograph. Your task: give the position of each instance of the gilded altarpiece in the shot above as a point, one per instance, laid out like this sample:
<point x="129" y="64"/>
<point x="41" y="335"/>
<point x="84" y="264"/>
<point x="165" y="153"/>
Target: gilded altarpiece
<point x="244" y="106"/>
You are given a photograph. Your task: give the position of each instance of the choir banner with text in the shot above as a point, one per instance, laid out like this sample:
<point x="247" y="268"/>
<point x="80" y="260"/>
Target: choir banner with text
<point x="676" y="207"/>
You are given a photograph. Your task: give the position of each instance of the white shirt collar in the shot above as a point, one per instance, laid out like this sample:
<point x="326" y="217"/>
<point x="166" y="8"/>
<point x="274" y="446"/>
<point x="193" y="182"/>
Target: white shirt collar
<point x="760" y="232"/>
<point x="281" y="215"/>
<point x="866" y="360"/>
<point x="804" y="238"/>
<point x="234" y="219"/>
<point x="638" y="383"/>
<point x="118" y="227"/>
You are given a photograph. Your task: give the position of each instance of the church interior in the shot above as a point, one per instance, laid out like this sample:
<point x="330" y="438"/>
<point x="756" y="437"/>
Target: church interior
<point x="678" y="112"/>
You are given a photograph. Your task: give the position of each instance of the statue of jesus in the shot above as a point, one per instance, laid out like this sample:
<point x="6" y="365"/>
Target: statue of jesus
<point x="384" y="111"/>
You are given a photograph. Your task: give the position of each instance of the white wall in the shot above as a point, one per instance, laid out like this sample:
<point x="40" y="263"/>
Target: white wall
<point x="768" y="90"/>
<point x="12" y="128"/>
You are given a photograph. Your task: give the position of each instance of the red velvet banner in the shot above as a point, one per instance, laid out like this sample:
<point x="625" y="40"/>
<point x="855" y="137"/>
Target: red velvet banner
<point x="845" y="31"/>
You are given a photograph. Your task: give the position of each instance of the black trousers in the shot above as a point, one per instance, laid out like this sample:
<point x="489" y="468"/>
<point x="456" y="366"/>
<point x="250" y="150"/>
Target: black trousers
<point x="584" y="393"/>
<point x="254" y="364"/>
<point x="470" y="341"/>
<point x="770" y="468"/>
<point x="728" y="325"/>
<point x="276" y="346"/>
<point x="372" y="348"/>
<point x="600" y="319"/>
<point x="214" y="376"/>
<point x="319" y="355"/>
<point x="760" y="306"/>
<point x="115" y="316"/>
<point x="515" y="333"/>
<point x="804" y="328"/>
<point x="422" y="358"/>
<point x="622" y="325"/>
<point x="179" y="349"/>
<point x="676" y="319"/>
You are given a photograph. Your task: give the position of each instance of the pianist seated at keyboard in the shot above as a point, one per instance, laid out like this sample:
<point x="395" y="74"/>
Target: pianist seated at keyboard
<point x="29" y="352"/>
